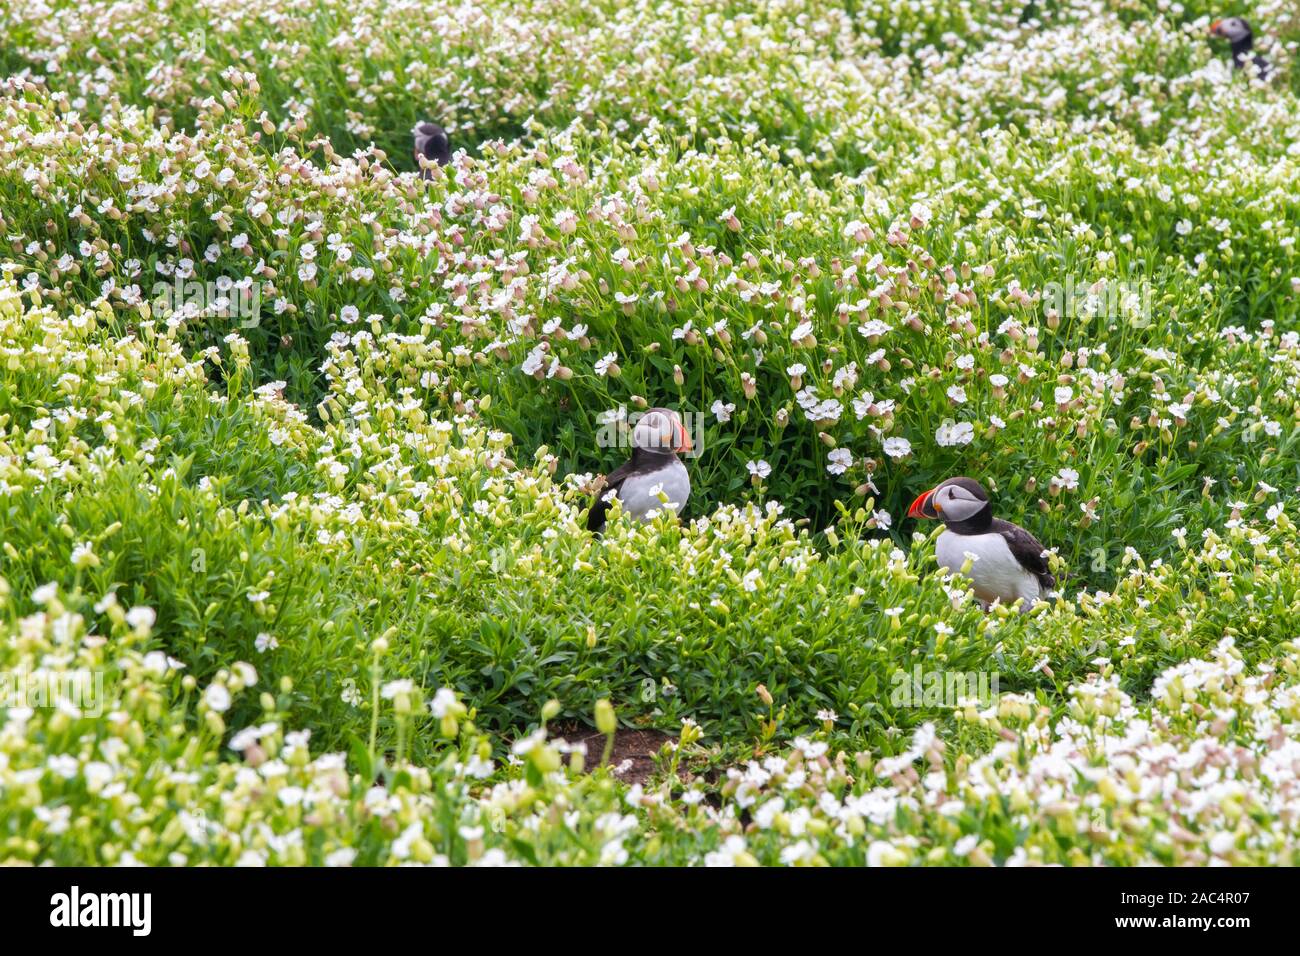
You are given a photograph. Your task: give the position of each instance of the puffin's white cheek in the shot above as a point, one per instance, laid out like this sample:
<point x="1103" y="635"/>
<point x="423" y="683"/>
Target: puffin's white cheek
<point x="648" y="432"/>
<point x="959" y="509"/>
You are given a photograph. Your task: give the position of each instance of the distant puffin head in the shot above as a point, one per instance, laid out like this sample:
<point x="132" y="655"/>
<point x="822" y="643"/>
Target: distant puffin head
<point x="661" y="430"/>
<point x="953" y="501"/>
<point x="1235" y="30"/>
<point x="432" y="143"/>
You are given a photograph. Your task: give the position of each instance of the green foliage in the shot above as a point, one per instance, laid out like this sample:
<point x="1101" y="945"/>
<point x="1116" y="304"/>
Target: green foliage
<point x="861" y="247"/>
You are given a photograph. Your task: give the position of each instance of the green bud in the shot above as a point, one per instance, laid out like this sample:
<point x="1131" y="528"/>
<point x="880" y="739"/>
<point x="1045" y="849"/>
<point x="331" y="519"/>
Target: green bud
<point x="606" y="722"/>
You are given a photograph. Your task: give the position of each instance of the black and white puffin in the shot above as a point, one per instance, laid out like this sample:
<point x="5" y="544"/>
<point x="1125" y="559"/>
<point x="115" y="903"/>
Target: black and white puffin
<point x="432" y="143"/>
<point x="657" y="439"/>
<point x="1242" y="40"/>
<point x="1010" y="563"/>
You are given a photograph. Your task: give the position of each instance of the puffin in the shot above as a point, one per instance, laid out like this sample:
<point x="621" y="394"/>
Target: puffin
<point x="657" y="439"/>
<point x="1238" y="33"/>
<point x="432" y="143"/>
<point x="1010" y="563"/>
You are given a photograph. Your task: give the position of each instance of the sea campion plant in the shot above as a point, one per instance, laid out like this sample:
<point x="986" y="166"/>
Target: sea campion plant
<point x="314" y="519"/>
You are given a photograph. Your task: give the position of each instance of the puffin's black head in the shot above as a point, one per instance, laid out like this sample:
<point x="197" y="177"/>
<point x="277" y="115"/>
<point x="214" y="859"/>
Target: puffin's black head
<point x="661" y="430"/>
<point x="956" y="502"/>
<point x="432" y="143"/>
<point x="1236" y="31"/>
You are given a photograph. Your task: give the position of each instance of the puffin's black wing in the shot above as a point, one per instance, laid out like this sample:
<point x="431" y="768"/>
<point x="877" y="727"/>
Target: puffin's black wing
<point x="1242" y="57"/>
<point x="1026" y="549"/>
<point x="613" y="482"/>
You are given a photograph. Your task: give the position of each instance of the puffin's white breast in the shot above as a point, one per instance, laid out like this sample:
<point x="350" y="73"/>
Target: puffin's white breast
<point x="995" y="573"/>
<point x="638" y="492"/>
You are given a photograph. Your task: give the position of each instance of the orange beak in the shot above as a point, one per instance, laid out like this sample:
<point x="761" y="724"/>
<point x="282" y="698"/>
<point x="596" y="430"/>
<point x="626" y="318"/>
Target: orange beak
<point x="1214" y="28"/>
<point x="916" y="511"/>
<point x="683" y="439"/>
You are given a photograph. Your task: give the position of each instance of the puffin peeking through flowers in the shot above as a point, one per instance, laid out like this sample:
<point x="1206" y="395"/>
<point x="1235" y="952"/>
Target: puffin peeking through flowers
<point x="1242" y="41"/>
<point x="654" y="469"/>
<point x="431" y="142"/>
<point x="1009" y="563"/>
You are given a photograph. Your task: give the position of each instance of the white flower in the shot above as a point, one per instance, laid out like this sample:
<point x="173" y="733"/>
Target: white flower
<point x="442" y="702"/>
<point x="961" y="433"/>
<point x="351" y="695"/>
<point x="732" y="848"/>
<point x="841" y="459"/>
<point x="722" y="410"/>
<point x="141" y="618"/>
<point x="1223" y="842"/>
<point x="479" y="768"/>
<point x="882" y="853"/>
<point x="535" y="360"/>
<point x="897" y="447"/>
<point x="217" y="698"/>
<point x="602" y="367"/>
<point x="395" y="687"/>
<point x="155" y="662"/>
<point x="97" y="774"/>
<point x="759" y="469"/>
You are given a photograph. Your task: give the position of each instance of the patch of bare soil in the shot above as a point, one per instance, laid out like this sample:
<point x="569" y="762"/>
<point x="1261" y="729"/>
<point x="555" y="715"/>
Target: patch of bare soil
<point x="632" y="758"/>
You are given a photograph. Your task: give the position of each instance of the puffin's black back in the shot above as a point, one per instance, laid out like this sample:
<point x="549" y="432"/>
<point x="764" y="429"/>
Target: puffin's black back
<point x="1027" y="549"/>
<point x="432" y="143"/>
<point x="642" y="461"/>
